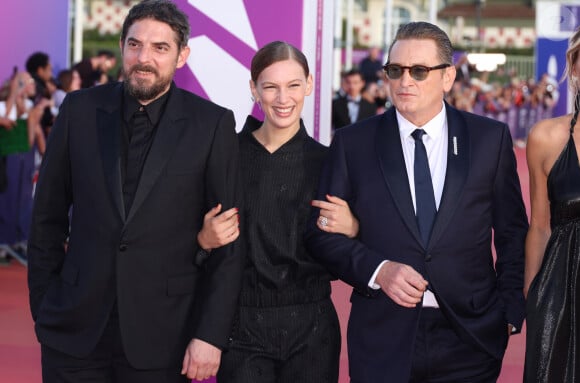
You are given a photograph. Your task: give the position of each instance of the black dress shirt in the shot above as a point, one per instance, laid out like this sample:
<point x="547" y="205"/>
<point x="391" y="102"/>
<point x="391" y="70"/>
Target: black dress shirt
<point x="278" y="188"/>
<point x="153" y="111"/>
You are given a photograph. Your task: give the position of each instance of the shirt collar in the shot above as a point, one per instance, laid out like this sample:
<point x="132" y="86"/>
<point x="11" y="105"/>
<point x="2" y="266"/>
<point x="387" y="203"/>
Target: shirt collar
<point x="354" y="99"/>
<point x="295" y="143"/>
<point x="433" y="128"/>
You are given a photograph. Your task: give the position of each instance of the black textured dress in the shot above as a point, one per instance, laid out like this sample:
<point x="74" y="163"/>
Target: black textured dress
<point x="553" y="307"/>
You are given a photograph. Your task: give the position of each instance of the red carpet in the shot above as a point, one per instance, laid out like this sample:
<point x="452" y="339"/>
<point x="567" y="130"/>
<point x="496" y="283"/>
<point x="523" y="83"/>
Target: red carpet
<point x="20" y="353"/>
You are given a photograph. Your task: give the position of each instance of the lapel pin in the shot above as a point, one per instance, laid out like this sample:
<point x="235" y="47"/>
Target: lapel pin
<point x="454" y="145"/>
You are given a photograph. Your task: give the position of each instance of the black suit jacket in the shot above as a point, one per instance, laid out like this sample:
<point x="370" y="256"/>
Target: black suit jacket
<point x="145" y="262"/>
<point x="481" y="197"/>
<point x="340" y="117"/>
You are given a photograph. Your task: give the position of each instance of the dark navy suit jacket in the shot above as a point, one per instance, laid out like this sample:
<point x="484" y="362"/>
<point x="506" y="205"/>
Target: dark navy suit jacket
<point x="481" y="204"/>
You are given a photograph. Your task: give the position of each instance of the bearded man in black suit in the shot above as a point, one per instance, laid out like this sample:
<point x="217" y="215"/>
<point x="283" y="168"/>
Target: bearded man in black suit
<point x="137" y="164"/>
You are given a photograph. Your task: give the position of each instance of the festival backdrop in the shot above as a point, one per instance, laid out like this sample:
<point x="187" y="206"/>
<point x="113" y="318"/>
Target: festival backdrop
<point x="30" y="26"/>
<point x="224" y="39"/>
<point x="555" y="22"/>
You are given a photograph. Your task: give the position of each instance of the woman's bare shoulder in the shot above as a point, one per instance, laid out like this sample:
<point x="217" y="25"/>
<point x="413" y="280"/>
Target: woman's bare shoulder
<point x="546" y="140"/>
<point x="551" y="129"/>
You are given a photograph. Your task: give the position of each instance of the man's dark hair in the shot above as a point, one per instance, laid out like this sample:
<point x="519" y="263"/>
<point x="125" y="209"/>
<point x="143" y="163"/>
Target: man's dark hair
<point x="35" y="61"/>
<point x="353" y="72"/>
<point x="106" y="52"/>
<point x="164" y="11"/>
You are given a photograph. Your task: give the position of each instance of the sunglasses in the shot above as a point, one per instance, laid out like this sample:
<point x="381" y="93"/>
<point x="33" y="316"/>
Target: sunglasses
<point x="417" y="72"/>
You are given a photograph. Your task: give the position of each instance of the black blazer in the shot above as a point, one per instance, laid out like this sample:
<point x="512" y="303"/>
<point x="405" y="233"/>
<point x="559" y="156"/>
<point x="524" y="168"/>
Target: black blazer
<point x="481" y="194"/>
<point x="146" y="262"/>
<point x="340" y="117"/>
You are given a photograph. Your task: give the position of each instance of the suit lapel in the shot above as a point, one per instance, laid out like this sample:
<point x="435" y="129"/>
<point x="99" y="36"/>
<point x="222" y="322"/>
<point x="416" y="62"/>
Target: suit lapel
<point x="392" y="163"/>
<point x="109" y="133"/>
<point x="169" y="131"/>
<point x="458" y="162"/>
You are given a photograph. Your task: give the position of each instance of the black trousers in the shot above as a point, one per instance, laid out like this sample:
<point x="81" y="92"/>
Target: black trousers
<point x="106" y="364"/>
<point x="288" y="344"/>
<point x="440" y="356"/>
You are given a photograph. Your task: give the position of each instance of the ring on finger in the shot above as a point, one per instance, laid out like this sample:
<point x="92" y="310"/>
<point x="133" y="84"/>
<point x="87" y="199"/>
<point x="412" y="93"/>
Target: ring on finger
<point x="323" y="221"/>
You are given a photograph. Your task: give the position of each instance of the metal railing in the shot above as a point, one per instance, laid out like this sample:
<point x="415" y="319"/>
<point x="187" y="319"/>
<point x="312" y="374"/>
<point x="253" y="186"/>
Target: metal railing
<point x="525" y="66"/>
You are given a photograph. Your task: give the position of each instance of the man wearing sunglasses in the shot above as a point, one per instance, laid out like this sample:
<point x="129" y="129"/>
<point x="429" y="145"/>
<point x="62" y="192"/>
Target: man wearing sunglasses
<point x="429" y="185"/>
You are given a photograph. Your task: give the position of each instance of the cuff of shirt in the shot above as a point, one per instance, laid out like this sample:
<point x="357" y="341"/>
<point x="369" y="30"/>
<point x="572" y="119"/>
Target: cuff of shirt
<point x="372" y="283"/>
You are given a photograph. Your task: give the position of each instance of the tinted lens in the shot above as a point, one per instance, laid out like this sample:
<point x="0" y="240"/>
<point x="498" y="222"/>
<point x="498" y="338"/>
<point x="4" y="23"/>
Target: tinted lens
<point x="419" y="72"/>
<point x="394" y="71"/>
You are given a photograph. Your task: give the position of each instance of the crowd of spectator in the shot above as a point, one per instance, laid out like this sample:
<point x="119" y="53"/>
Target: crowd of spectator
<point x="517" y="102"/>
<point x="29" y="102"/>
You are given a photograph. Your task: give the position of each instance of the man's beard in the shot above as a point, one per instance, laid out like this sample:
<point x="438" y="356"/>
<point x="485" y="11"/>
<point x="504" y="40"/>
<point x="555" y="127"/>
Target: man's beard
<point x="139" y="89"/>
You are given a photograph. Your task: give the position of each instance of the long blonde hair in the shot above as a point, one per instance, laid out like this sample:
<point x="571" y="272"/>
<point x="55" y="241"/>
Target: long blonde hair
<point x="571" y="57"/>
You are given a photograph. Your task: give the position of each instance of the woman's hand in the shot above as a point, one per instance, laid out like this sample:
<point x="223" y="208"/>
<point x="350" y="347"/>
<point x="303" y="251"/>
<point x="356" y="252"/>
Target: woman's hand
<point x="336" y="217"/>
<point x="219" y="229"/>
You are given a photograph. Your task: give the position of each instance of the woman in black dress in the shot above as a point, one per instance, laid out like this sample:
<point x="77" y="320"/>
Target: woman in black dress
<point x="553" y="243"/>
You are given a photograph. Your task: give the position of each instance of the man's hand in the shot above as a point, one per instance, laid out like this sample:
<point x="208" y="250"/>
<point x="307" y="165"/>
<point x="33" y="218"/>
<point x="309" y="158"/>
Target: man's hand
<point x="403" y="284"/>
<point x="201" y="360"/>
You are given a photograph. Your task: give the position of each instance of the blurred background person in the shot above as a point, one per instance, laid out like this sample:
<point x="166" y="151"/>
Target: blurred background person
<point x="39" y="67"/>
<point x="353" y="107"/>
<point x="68" y="80"/>
<point x="371" y="67"/>
<point x="463" y="69"/>
<point x="16" y="199"/>
<point x="94" y="70"/>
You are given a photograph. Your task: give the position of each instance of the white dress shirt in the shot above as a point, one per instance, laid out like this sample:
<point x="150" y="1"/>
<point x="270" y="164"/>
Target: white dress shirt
<point x="436" y="144"/>
<point x="353" y="105"/>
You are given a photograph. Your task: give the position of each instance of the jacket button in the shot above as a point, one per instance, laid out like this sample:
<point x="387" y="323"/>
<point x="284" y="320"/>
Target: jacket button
<point x="428" y="258"/>
<point x="122" y="247"/>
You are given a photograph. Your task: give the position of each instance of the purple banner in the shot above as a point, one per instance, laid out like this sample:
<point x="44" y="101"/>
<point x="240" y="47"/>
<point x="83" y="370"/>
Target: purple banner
<point x="30" y="26"/>
<point x="569" y="22"/>
<point x="223" y="41"/>
<point x="551" y="50"/>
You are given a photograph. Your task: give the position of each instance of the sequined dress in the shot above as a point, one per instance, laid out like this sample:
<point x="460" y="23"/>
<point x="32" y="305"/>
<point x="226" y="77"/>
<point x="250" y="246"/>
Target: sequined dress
<point x="553" y="306"/>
